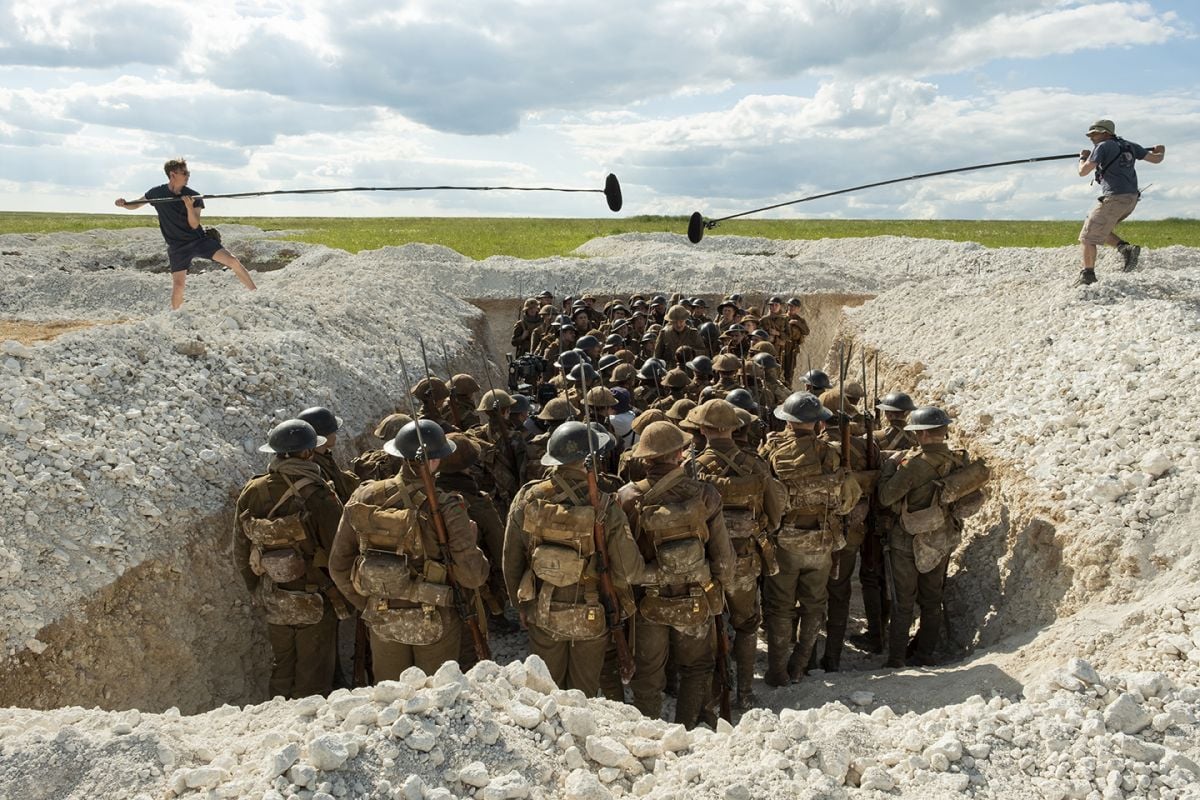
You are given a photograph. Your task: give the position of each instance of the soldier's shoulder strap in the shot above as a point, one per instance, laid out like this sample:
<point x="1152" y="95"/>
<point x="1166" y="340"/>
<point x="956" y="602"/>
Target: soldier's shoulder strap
<point x="668" y="481"/>
<point x="293" y="490"/>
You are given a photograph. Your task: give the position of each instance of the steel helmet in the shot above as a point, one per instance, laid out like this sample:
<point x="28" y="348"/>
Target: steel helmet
<point x="659" y="439"/>
<point x="494" y="400"/>
<point x="607" y="362"/>
<point x="387" y="427"/>
<point x="742" y="399"/>
<point x="680" y="409"/>
<point x="802" y="407"/>
<point x="322" y="420"/>
<point x="701" y="365"/>
<point x="926" y="418"/>
<point x="727" y="362"/>
<point x="678" y="313"/>
<point x="407" y="444"/>
<point x="556" y="409"/>
<point x="568" y="359"/>
<point x="584" y="373"/>
<point x="717" y="414"/>
<point x="588" y="342"/>
<point x="569" y="443"/>
<point x="817" y="379"/>
<point x="652" y="370"/>
<point x="291" y="436"/>
<point x="766" y="361"/>
<point x="463" y="384"/>
<point x="896" y="401"/>
<point x="623" y="372"/>
<point x="521" y="405"/>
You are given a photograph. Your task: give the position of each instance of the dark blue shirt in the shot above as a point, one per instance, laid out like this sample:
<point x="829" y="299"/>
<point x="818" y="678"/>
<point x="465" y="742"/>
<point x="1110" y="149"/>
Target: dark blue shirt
<point x="1114" y="160"/>
<point x="173" y="218"/>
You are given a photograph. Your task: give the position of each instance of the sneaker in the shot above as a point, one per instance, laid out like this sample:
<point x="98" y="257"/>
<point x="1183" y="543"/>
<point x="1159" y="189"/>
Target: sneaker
<point x="1129" y="252"/>
<point x="1086" y="277"/>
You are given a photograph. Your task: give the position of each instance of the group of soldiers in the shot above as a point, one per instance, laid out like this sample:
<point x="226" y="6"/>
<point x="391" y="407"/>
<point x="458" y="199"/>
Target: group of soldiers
<point x="648" y="508"/>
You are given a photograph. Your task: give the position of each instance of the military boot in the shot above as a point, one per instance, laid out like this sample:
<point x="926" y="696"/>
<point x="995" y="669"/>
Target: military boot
<point x="743" y="658"/>
<point x="780" y="642"/>
<point x="835" y="638"/>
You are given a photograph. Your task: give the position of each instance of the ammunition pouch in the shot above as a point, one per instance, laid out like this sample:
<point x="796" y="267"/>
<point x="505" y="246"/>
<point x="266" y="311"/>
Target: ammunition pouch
<point x="281" y="566"/>
<point x="570" y="621"/>
<point x="557" y="564"/>
<point x="926" y="521"/>
<point x="747" y="570"/>
<point x="741" y="523"/>
<point x="821" y="540"/>
<point x="688" y="613"/>
<point x="417" y="625"/>
<point x="680" y="561"/>
<point x="285" y="607"/>
<point x="816" y="494"/>
<point x="377" y="574"/>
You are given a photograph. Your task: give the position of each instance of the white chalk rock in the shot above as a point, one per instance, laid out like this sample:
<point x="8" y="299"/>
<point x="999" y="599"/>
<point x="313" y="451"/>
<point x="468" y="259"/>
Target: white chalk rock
<point x="862" y="698"/>
<point x="876" y="779"/>
<point x="584" y="785"/>
<point x="1139" y="749"/>
<point x="344" y="705"/>
<point x="11" y="347"/>
<point x="579" y="722"/>
<point x="537" y="675"/>
<point x="328" y="752"/>
<point x="413" y="788"/>
<point x="448" y="673"/>
<point x="1083" y="671"/>
<point x="644" y="748"/>
<point x="421" y="740"/>
<point x="474" y="774"/>
<point x="511" y="786"/>
<point x="607" y="751"/>
<point x="302" y="775"/>
<point x="1126" y="715"/>
<point x="1155" y="463"/>
<point x="737" y="791"/>
<point x="205" y="777"/>
<point x="527" y="717"/>
<point x="1107" y="489"/>
<point x="676" y="738"/>
<point x="281" y="761"/>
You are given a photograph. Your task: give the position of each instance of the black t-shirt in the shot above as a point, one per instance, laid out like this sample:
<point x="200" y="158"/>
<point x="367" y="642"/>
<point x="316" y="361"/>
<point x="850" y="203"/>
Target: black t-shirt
<point x="172" y="216"/>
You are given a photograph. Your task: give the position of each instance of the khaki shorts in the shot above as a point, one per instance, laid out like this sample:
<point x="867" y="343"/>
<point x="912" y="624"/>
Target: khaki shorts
<point x="1104" y="217"/>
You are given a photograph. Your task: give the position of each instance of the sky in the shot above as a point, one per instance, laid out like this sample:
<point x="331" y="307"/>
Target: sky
<point x="717" y="106"/>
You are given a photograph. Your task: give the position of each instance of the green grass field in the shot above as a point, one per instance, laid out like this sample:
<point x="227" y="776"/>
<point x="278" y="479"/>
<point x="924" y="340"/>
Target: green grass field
<point x="479" y="237"/>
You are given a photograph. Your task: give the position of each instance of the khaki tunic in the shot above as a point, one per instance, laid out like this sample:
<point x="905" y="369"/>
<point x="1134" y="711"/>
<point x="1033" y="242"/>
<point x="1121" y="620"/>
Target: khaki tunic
<point x="895" y="439"/>
<point x="525" y="329"/>
<point x="344" y="482"/>
<point x="669" y="340"/>
<point x="468" y="564"/>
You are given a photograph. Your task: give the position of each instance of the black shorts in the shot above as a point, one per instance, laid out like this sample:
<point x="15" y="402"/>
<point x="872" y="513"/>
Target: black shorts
<point x="181" y="257"/>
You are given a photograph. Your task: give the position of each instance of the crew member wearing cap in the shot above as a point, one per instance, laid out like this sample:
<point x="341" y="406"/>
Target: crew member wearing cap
<point x="677" y="334"/>
<point x="524" y="333"/>
<point x="284" y="525"/>
<point x="387" y="560"/>
<point x="1112" y="159"/>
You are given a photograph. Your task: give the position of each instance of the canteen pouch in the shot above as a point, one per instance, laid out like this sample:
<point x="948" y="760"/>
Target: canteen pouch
<point x="284" y="607"/>
<point x="968" y="505"/>
<point x="745" y="576"/>
<point x="420" y="625"/>
<point x="390" y="530"/>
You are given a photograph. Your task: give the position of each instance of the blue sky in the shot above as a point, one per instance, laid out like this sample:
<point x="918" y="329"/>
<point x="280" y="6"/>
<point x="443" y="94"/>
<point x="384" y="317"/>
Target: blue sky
<point x="710" y="105"/>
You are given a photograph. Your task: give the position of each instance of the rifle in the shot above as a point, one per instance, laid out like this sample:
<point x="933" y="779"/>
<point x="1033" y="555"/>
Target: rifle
<point x="501" y="424"/>
<point x="844" y="430"/>
<point x="454" y="412"/>
<point x="723" y="666"/>
<point x="608" y="592"/>
<point x="362" y="654"/>
<point x="465" y="610"/>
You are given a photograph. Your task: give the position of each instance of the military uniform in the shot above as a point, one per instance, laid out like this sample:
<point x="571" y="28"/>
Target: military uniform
<point x="550" y="524"/>
<point x="500" y="469"/>
<point x="344" y="482"/>
<point x="753" y="502"/>
<point x="895" y="439"/>
<point x="809" y="469"/>
<point x="669" y="340"/>
<point x="921" y="543"/>
<point x="387" y="561"/>
<point x="284" y="570"/>
<point x="671" y="514"/>
<point x="524" y="331"/>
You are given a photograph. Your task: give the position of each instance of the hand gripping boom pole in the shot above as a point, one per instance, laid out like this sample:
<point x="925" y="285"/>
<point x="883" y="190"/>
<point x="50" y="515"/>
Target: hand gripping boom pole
<point x="611" y="191"/>
<point x="698" y="224"/>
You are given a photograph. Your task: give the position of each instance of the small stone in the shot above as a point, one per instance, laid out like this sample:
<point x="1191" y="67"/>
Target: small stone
<point x="302" y="775"/>
<point x="583" y="785"/>
<point x="607" y="751"/>
<point x="413" y="788"/>
<point x="421" y="740"/>
<point x="511" y="786"/>
<point x="737" y="791"/>
<point x="1083" y="671"/>
<point x="205" y="777"/>
<point x="328" y="752"/>
<point x="579" y="722"/>
<point x="474" y="774"/>
<point x="527" y="717"/>
<point x="281" y="760"/>
<point x="876" y="779"/>
<point x="537" y="675"/>
<point x="1126" y="715"/>
<point x="862" y="699"/>
<point x="1155" y="463"/>
<point x="676" y="739"/>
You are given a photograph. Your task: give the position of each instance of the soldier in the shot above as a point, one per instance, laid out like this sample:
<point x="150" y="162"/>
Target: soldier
<point x="550" y="560"/>
<point x="327" y="426"/>
<point x="454" y="476"/>
<point x="702" y="375"/>
<point x="525" y="328"/>
<point x="388" y="561"/>
<point x="726" y="366"/>
<point x="699" y="312"/>
<point x="733" y="340"/>
<point x="564" y="341"/>
<point x="460" y="404"/>
<point x="285" y="521"/>
<point x="797" y="331"/>
<point x="928" y="528"/>
<point x="679" y="334"/>
<point x="518" y="414"/>
<point x="649" y="391"/>
<point x="675" y="382"/>
<point x="755" y="430"/>
<point x="817" y="492"/>
<point x="853" y="531"/>
<point x="590" y="346"/>
<point x="378" y="465"/>
<point x="623" y="376"/>
<point x="597" y="318"/>
<point x="816" y="382"/>
<point x="753" y="506"/>
<point x="727" y="313"/>
<point x="678" y="525"/>
<point x="501" y="452"/>
<point x="679" y="410"/>
<point x="775" y="321"/>
<point x="896" y="407"/>
<point x="776" y="391"/>
<point x="433" y="395"/>
<point x="630" y="469"/>
<point x="555" y="412"/>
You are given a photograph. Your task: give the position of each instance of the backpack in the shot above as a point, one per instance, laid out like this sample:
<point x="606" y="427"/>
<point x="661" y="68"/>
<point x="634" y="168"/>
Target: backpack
<point x="277" y="549"/>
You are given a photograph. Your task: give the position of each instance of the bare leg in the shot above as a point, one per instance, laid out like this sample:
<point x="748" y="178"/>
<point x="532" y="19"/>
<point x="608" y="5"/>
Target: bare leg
<point x="178" y="279"/>
<point x="1089" y="256"/>
<point x="227" y="258"/>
